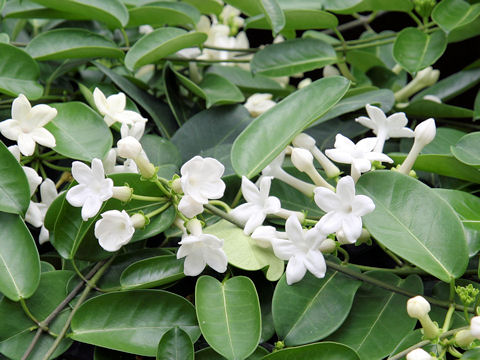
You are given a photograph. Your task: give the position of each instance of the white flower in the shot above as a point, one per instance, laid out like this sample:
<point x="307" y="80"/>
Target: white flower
<point x="343" y="209"/>
<point x="201" y="181"/>
<point x="113" y="109"/>
<point x="92" y="189"/>
<point x="359" y="155"/>
<point x="424" y="78"/>
<point x="301" y="249"/>
<point x="201" y="249"/>
<point x="136" y="130"/>
<point x="145" y="29"/>
<point x="33" y="178"/>
<point x="114" y="230"/>
<point x="36" y="211"/>
<point x="419" y="354"/>
<point x="110" y="161"/>
<point x="257" y="104"/>
<point x="263" y="235"/>
<point x="258" y="204"/>
<point x="385" y="128"/>
<point x="418" y="307"/>
<point x="129" y="147"/>
<point x="475" y="327"/>
<point x="26" y="126"/>
<point x="302" y="159"/>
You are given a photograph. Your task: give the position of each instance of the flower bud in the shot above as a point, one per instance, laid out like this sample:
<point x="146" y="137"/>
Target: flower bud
<point x="330" y="70"/>
<point x="464" y="338"/>
<point x="425" y="132"/>
<point x="419" y="354"/>
<point x="122" y="193"/>
<point x="475" y="327"/>
<point x="327" y="246"/>
<point x="302" y="159"/>
<point x="139" y="220"/>
<point x="304" y="141"/>
<point x="305" y="82"/>
<point x="418" y="307"/>
<point x="129" y="147"/>
<point x="177" y="186"/>
<point x="194" y="227"/>
<point x="146" y="168"/>
<point x="257" y="104"/>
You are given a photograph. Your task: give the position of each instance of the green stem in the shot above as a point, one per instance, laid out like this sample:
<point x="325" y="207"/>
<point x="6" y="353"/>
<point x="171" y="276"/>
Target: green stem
<point x="416" y="19"/>
<point x="454" y="352"/>
<point x="161" y="187"/>
<point x="80" y="275"/>
<point x="42" y="171"/>
<point x="224" y="215"/>
<point x="237" y="198"/>
<point x="55" y="167"/>
<point x="125" y="37"/>
<point x="221" y="204"/>
<point x="158" y="211"/>
<point x="404" y="270"/>
<point x="249" y="50"/>
<point x="80" y="301"/>
<point x="451" y="296"/>
<point x="212" y="61"/>
<point x="346" y="256"/>
<point x="392" y="255"/>
<point x="363" y="46"/>
<point x="52" y="77"/>
<point x="148" y="198"/>
<point x="27" y="311"/>
<point x="448" y="318"/>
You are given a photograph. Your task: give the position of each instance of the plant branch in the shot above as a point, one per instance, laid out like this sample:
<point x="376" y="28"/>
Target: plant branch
<point x="216" y="211"/>
<point x="361" y="21"/>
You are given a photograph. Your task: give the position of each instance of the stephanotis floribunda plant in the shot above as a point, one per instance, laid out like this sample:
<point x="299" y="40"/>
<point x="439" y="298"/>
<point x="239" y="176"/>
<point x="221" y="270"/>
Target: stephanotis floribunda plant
<point x="239" y="179"/>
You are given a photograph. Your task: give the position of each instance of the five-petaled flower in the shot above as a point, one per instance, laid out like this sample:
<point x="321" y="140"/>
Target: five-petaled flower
<point x="114" y="230"/>
<point x="26" y="126"/>
<point x="113" y="109"/>
<point x="258" y="204"/>
<point x="92" y="189"/>
<point x="344" y="209"/>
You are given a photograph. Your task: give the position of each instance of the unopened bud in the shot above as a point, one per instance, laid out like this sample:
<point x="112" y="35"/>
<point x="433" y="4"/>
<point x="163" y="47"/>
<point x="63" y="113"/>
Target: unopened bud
<point x="257" y="104"/>
<point x="138" y="220"/>
<point x="194" y="227"/>
<point x="475" y="327"/>
<point x="419" y="354"/>
<point x="327" y="246"/>
<point x="129" y="147"/>
<point x="122" y="193"/>
<point x="302" y="159"/>
<point x="425" y="132"/>
<point x="330" y="70"/>
<point x="464" y="338"/>
<point x="305" y="82"/>
<point x="146" y="168"/>
<point x="304" y="141"/>
<point x="418" y="307"/>
<point x="177" y="186"/>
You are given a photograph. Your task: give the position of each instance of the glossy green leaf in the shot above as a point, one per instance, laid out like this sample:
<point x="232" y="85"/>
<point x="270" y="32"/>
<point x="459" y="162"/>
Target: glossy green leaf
<point x="449" y="14"/>
<point x="249" y="7"/>
<point x="71" y="43"/>
<point x="160" y="43"/>
<point x="46" y="267"/>
<point x="19" y="260"/>
<point x="467" y="149"/>
<point x="467" y="207"/>
<point x="452" y="85"/>
<point x="19" y="73"/>
<point x="210" y="354"/>
<point x="370" y="5"/>
<point x="319" y="351"/>
<point x="294" y="306"/>
<point x="175" y="344"/>
<point x="249" y="82"/>
<point x="297" y="19"/>
<point x="111" y="12"/>
<point x="399" y="222"/>
<point x="229" y="315"/>
<point x="363" y="60"/>
<point x="209" y="129"/>
<point x="30" y="9"/>
<point x="80" y="132"/>
<point x="243" y="252"/>
<point x="133" y="321"/>
<point x="160" y="13"/>
<point x="219" y="91"/>
<point x="476" y="107"/>
<point x="414" y="50"/>
<point x="174" y="97"/>
<point x="428" y="108"/>
<point x="157" y="110"/>
<point x="274" y="14"/>
<point x="206" y="6"/>
<point x="14" y="189"/>
<point x="335" y="5"/>
<point x="442" y="164"/>
<point x="260" y="143"/>
<point x="369" y="328"/>
<point x="160" y="151"/>
<point x="293" y="56"/>
<point x="471" y="354"/>
<point x="152" y="272"/>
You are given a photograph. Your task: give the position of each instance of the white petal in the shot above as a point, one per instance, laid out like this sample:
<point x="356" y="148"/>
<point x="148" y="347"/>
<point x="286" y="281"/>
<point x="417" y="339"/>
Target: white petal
<point x="326" y="199"/>
<point x="20" y="108"/>
<point x="48" y="191"/>
<point x="272" y="205"/>
<point x="346" y="189"/>
<point x="330" y="223"/>
<point x="255" y="220"/>
<point x="11" y="129"/>
<point x="376" y="114"/>
<point x="33" y="215"/>
<point x="116" y="103"/>
<point x="343" y="143"/>
<point x="283" y="249"/>
<point x="194" y="264"/>
<point x="43" y="137"/>
<point x="315" y="263"/>
<point x="362" y="165"/>
<point x="26" y="144"/>
<point x="295" y="270"/>
<point x="82" y="173"/>
<point x="91" y="207"/>
<point x="339" y="156"/>
<point x="15" y="151"/>
<point x="397" y="120"/>
<point x="217" y="260"/>
<point x="42" y="114"/>
<point x="189" y="207"/>
<point x="367" y="144"/>
<point x="249" y="191"/>
<point x="367" y="122"/>
<point x="44" y="235"/>
<point x="294" y="229"/>
<point x="33" y="179"/>
<point x="243" y="212"/>
<point x="97" y="169"/>
<point x="352" y="228"/>
<point x="263" y="236"/>
<point x="362" y="205"/>
<point x="375" y="156"/>
<point x="100" y="101"/>
<point x="77" y="195"/>
<point x="402" y="132"/>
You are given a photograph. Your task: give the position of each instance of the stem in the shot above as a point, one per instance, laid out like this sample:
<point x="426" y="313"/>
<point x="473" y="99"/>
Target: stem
<point x="423" y="343"/>
<point x="221" y="204"/>
<point x="52" y="77"/>
<point x="80" y="275"/>
<point x="389" y="287"/>
<point x="27" y="311"/>
<point x="223" y="214"/>
<point x="125" y="37"/>
<point x="148" y="198"/>
<point x="57" y="310"/>
<point x="392" y="255"/>
<point x="249" y="50"/>
<point x="405" y="270"/>
<point x="212" y="61"/>
<point x="448" y="318"/>
<point x="346" y="256"/>
<point x="56" y="167"/>
<point x="416" y="19"/>
<point x="358" y="22"/>
<point x="237" y="198"/>
<point x="158" y="211"/>
<point x="161" y="187"/>
<point x="80" y="301"/>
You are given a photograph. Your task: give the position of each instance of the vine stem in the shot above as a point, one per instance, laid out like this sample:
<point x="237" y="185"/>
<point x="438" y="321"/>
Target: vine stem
<point x="83" y="297"/>
<point x="216" y="211"/>
<point x="58" y="309"/>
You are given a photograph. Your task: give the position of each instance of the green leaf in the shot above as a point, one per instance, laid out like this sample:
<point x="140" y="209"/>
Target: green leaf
<point x="160" y="151"/>
<point x="242" y="251"/>
<point x="442" y="164"/>
<point x="274" y="14"/>
<point x="293" y="56"/>
<point x="249" y="7"/>
<point x="428" y="108"/>
<point x="296" y="19"/>
<point x="71" y="43"/>
<point x="399" y="222"/>
<point x="260" y="143"/>
<point x="175" y="344"/>
<point x="464" y="32"/>
<point x="229" y="315"/>
<point x="157" y="110"/>
<point x="467" y="207"/>
<point x="366" y="329"/>
<point x="160" y="13"/>
<point x="210" y="354"/>
<point x="14" y="189"/>
<point x="467" y="149"/>
<point x="249" y="82"/>
<point x="471" y="354"/>
<point x="414" y="50"/>
<point x="318" y="351"/>
<point x="19" y="260"/>
<point x="449" y="14"/>
<point x="19" y="73"/>
<point x="111" y="12"/>
<point x="160" y="43"/>
<point x="207" y="6"/>
<point x="80" y="132"/>
<point x="210" y="129"/>
<point x="294" y="306"/>
<point x="133" y="321"/>
<point x="369" y="5"/>
<point x="152" y="272"/>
